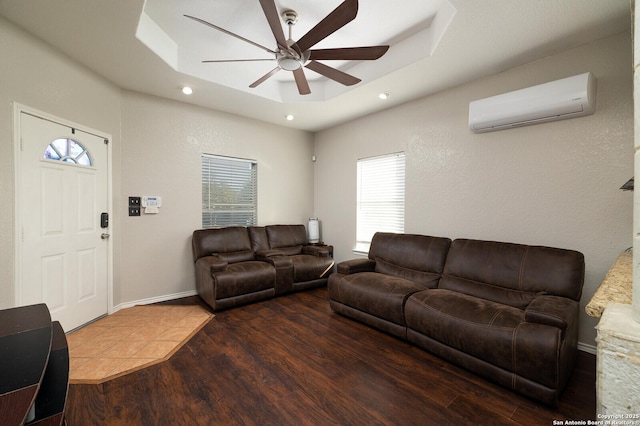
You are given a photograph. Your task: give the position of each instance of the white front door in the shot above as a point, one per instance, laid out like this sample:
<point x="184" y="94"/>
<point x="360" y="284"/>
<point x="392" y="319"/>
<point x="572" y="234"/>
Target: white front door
<point x="63" y="248"/>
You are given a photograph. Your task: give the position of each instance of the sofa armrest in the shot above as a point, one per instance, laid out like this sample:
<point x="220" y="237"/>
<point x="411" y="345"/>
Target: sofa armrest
<point x="555" y="311"/>
<point x="320" y="251"/>
<point x="212" y="264"/>
<point x="354" y="266"/>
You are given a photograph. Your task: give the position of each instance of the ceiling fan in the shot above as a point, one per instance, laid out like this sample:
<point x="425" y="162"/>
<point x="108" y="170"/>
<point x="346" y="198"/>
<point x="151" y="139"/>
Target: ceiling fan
<point x="294" y="55"/>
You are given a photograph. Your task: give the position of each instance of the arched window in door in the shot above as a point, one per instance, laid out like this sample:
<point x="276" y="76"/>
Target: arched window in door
<point x="69" y="151"/>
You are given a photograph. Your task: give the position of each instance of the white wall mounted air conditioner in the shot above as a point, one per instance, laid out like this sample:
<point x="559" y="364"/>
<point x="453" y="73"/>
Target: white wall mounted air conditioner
<point x="566" y="98"/>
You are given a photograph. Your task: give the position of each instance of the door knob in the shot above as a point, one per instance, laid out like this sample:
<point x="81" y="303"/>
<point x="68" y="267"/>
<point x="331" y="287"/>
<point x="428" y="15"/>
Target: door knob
<point x="104" y="236"/>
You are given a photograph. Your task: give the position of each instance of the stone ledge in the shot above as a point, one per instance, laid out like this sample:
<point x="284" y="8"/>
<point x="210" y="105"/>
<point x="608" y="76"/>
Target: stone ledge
<point x="616" y="286"/>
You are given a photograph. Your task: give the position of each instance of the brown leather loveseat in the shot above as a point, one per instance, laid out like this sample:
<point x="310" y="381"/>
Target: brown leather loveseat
<point x="508" y="312"/>
<point x="239" y="265"/>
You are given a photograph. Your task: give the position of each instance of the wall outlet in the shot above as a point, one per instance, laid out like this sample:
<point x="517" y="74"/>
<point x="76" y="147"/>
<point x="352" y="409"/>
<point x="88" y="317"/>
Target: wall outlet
<point x="134" y="211"/>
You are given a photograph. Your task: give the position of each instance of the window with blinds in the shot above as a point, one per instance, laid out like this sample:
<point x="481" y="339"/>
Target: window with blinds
<point x="380" y="197"/>
<point x="229" y="191"/>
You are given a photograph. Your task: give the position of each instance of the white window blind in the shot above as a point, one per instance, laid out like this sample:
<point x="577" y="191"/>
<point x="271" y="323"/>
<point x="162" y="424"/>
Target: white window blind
<point x="380" y="197"/>
<point x="229" y="191"/>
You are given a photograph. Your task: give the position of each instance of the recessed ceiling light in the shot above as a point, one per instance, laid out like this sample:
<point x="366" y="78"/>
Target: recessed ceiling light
<point x="384" y="95"/>
<point x="289" y="117"/>
<point x="187" y="90"/>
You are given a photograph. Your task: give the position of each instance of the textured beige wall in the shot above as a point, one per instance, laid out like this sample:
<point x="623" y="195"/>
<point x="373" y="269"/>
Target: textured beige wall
<point x="163" y="143"/>
<point x="34" y="75"/>
<point x="553" y="184"/>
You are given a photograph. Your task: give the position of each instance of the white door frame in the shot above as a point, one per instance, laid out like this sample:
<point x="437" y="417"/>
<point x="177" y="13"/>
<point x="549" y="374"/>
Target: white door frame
<point x="18" y="109"/>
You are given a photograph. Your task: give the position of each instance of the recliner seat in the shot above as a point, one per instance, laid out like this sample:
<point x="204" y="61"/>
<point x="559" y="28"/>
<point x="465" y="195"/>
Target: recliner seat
<point x="227" y="272"/>
<point x="375" y="290"/>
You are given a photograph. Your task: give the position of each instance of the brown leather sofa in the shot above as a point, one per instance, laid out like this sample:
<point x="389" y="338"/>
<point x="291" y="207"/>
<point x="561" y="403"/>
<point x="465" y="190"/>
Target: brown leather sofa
<point x="239" y="265"/>
<point x="508" y="312"/>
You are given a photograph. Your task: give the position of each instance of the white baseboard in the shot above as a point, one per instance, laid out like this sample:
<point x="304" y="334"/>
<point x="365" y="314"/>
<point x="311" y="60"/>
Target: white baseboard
<point x="151" y="300"/>
<point x="587" y="348"/>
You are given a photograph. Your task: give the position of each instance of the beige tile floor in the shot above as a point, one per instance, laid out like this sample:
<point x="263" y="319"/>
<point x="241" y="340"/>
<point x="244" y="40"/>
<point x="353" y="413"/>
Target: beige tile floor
<point x="131" y="339"/>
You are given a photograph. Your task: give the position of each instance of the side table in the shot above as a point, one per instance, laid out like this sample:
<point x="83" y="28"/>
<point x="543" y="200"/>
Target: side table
<point x="34" y="367"/>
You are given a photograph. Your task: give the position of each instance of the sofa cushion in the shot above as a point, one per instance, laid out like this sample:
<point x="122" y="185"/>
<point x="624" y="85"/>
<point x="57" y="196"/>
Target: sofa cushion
<point x="380" y="295"/>
<point x="258" y="237"/>
<point x="286" y="236"/>
<point x="289" y="251"/>
<point x="243" y="278"/>
<point x="236" y="256"/>
<point x="417" y="258"/>
<point x="206" y="242"/>
<point x="490" y="331"/>
<point x="308" y="267"/>
<point x="512" y="274"/>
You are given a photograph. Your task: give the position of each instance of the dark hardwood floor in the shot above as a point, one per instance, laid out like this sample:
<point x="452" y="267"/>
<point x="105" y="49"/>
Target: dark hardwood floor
<point x="292" y="361"/>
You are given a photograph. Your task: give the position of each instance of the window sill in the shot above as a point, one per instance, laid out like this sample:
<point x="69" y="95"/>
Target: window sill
<point x="361" y="249"/>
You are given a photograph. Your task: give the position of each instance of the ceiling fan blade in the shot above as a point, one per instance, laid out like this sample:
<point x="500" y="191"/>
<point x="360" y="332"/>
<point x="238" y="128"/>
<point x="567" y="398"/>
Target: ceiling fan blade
<point x="333" y="74"/>
<point x="340" y="17"/>
<point x="264" y="78"/>
<point x="271" y="12"/>
<point x="349" y="53"/>
<point x="301" y="82"/>
<point x="209" y="24"/>
<point x="234" y="60"/>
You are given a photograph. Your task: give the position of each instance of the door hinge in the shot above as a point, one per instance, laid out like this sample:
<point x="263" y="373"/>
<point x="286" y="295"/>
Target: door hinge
<point x="21" y="144"/>
<point x="106" y="141"/>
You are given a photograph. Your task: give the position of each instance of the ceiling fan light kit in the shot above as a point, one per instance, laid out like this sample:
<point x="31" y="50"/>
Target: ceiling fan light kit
<point x="295" y="56"/>
<point x="288" y="63"/>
